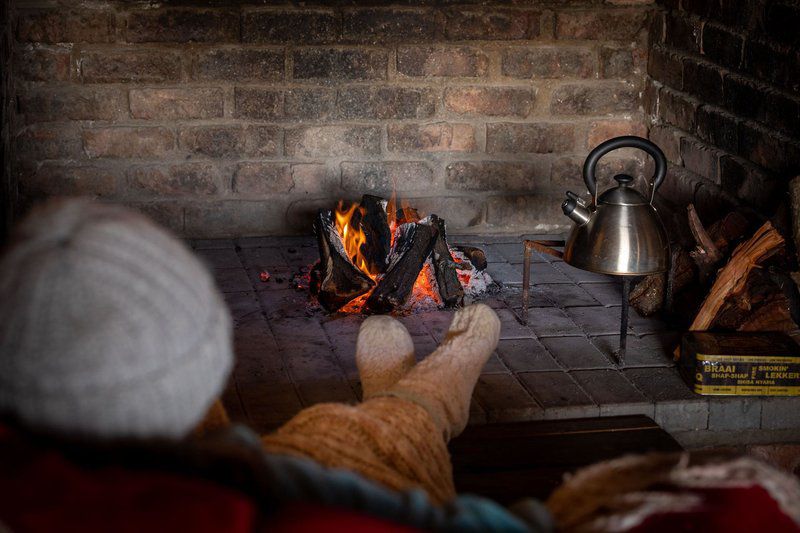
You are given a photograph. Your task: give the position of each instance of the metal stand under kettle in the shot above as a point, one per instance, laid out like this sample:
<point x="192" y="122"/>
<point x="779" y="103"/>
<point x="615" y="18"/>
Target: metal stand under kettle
<point x="619" y="232"/>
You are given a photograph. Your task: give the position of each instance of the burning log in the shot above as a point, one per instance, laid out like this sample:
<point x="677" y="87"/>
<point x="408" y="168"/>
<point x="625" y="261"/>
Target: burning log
<point x="413" y="244"/>
<point x="374" y="222"/>
<point x="336" y="280"/>
<point x="444" y="267"/>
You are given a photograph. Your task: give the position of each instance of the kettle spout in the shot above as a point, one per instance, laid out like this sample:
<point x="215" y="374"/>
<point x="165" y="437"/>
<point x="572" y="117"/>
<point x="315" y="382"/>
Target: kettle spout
<point x="575" y="209"/>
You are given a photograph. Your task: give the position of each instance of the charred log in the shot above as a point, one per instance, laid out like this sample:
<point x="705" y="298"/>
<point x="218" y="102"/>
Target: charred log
<point x="374" y="223"/>
<point x="444" y="267"/>
<point x="407" y="214"/>
<point x="336" y="280"/>
<point x="413" y="244"/>
<point x="475" y="256"/>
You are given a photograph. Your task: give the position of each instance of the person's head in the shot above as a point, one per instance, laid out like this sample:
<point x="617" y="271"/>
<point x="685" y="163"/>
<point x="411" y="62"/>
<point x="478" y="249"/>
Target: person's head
<point x="109" y="326"/>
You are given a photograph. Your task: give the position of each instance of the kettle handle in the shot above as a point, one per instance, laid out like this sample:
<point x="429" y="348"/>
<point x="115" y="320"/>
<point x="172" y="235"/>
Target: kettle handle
<point x="626" y="141"/>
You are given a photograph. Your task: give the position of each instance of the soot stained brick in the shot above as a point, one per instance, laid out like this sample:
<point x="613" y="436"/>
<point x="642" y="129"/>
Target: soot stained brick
<point x="335" y="64"/>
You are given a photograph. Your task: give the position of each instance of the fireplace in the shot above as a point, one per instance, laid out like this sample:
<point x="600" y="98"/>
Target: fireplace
<point x="235" y="123"/>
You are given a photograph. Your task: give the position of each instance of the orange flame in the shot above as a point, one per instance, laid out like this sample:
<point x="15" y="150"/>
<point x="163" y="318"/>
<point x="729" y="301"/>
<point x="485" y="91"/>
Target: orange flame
<point x="353" y="236"/>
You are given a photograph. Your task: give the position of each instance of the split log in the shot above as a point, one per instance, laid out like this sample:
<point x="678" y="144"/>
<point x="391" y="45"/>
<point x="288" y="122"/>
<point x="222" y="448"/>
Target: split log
<point x="407" y="214"/>
<point x="413" y="244"/>
<point x="444" y="267"/>
<point x="706" y="254"/>
<point x="794" y="195"/>
<point x="647" y="296"/>
<point x="475" y="256"/>
<point x="761" y="306"/>
<point x="336" y="279"/>
<point x="374" y="222"/>
<point x="732" y="278"/>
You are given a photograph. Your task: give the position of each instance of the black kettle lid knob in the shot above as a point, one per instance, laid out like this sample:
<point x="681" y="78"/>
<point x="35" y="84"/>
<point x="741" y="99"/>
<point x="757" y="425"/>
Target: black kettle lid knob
<point x="624" y="179"/>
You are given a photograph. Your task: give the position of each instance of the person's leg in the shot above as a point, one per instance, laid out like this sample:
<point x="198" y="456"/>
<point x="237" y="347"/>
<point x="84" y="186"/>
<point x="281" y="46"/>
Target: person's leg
<point x="397" y="437"/>
<point x="444" y="381"/>
<point x="384" y="354"/>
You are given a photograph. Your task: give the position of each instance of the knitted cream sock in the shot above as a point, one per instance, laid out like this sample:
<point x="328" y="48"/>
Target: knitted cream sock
<point x="444" y="381"/>
<point x="384" y="353"/>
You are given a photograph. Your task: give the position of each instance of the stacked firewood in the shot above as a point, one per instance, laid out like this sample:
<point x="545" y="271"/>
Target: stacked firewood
<point x="735" y="276"/>
<point x="398" y="259"/>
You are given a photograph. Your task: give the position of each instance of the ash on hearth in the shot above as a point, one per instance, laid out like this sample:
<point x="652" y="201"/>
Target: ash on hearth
<point x="377" y="257"/>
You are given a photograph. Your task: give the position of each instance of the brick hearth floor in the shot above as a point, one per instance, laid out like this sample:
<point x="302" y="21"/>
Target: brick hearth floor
<point x="557" y="366"/>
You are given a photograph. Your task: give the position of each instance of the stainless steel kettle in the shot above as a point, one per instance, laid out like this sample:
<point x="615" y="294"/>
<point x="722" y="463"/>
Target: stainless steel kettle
<point x="620" y="232"/>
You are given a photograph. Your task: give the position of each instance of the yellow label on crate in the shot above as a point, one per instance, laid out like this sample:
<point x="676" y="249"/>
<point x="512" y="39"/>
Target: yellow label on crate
<point x="746" y="358"/>
<point x="746" y="390"/>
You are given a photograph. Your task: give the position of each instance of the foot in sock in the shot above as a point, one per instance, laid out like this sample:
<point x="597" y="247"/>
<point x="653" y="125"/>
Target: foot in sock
<point x="384" y="354"/>
<point x="444" y="381"/>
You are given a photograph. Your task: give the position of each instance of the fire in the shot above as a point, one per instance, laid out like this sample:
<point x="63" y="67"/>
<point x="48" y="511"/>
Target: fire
<point x="353" y="236"/>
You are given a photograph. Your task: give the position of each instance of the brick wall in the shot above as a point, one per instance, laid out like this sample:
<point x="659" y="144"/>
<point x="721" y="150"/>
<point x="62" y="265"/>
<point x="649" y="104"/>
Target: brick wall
<point x="243" y="120"/>
<point x="723" y="95"/>
<point x="7" y="185"/>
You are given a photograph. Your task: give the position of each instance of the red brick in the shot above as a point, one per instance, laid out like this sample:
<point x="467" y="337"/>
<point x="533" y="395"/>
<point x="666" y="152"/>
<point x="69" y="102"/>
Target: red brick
<point x="783" y="112"/>
<point x="722" y="46"/>
<point x="314" y="178"/>
<point x="231" y="141"/>
<point x="442" y="61"/>
<point x="235" y="218"/>
<point x="682" y="32"/>
<point x="176" y="179"/>
<point x="111" y="66"/>
<point x="42" y="64"/>
<point x="302" y="27"/>
<point x="384" y="177"/>
<point x="495" y="175"/>
<point x="171" y="104"/>
<point x="540" y="213"/>
<point x="182" y="26"/>
<point x="62" y="26"/>
<point x="166" y="213"/>
<point x="718" y="128"/>
<point x="494" y="24"/>
<point x="744" y="97"/>
<point x="333" y="140"/>
<point x="567" y="172"/>
<point x="258" y="103"/>
<point x="703" y="80"/>
<point x="677" y="109"/>
<point x="239" y="65"/>
<point x="489" y="101"/>
<point x="460" y="212"/>
<point x="539" y="138"/>
<point x="593" y="99"/>
<point x="601" y="24"/>
<point x="751" y="184"/>
<point x="666" y="67"/>
<point x="122" y="142"/>
<point x="96" y="103"/>
<point x="768" y="62"/>
<point x="548" y="62"/>
<point x="669" y="140"/>
<point x="436" y="137"/>
<point x="378" y="26"/>
<point x="700" y="159"/>
<point x="602" y="130"/>
<point x="619" y="62"/>
<point x="384" y="103"/>
<point x="262" y="179"/>
<point x="309" y="103"/>
<point x="66" y="180"/>
<point x="339" y="64"/>
<point x="768" y="149"/>
<point x="60" y="141"/>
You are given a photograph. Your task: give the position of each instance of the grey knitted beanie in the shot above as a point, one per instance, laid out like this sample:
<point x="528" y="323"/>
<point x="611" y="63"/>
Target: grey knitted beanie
<point x="109" y="327"/>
